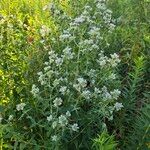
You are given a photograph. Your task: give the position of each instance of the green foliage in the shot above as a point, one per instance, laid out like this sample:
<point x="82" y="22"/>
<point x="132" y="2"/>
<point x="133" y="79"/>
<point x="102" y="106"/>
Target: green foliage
<point x="104" y="142"/>
<point x="140" y="135"/>
<point x="24" y="48"/>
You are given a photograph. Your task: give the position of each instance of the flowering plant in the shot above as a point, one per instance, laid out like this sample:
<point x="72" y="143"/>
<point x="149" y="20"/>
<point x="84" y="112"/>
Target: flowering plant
<point x="77" y="90"/>
<point x="78" y="85"/>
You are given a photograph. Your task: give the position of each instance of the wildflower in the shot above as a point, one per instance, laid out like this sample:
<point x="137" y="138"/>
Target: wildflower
<point x="82" y="82"/>
<point x="20" y="106"/>
<point x="54" y="124"/>
<point x="59" y="61"/>
<point x="63" y="120"/>
<point x="41" y="78"/>
<point x="47" y="68"/>
<point x="67" y="53"/>
<point x="79" y="20"/>
<point x="94" y="46"/>
<point x="54" y="138"/>
<point x="63" y="89"/>
<point x="92" y="73"/>
<point x="94" y="31"/>
<point x="75" y="127"/>
<point x="49" y="118"/>
<point x="102" y="59"/>
<point x="115" y="56"/>
<point x="86" y="94"/>
<point x="57" y="102"/>
<point x="102" y="63"/>
<point x="68" y="114"/>
<point x="44" y="31"/>
<point x="115" y="94"/>
<point x="56" y="82"/>
<point x="107" y="96"/>
<point x="10" y="117"/>
<point x="114" y="60"/>
<point x="118" y="106"/>
<point x="35" y="90"/>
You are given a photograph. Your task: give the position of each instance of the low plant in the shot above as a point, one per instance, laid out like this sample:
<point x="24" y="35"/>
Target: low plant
<point x="104" y="142"/>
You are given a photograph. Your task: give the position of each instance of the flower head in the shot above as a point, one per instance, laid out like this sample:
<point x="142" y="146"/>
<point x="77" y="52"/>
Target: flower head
<point x="63" y="120"/>
<point x="118" y="106"/>
<point x="75" y="127"/>
<point x="49" y="118"/>
<point x="20" y="106"/>
<point x="10" y="117"/>
<point x="54" y="138"/>
<point x="57" y="102"/>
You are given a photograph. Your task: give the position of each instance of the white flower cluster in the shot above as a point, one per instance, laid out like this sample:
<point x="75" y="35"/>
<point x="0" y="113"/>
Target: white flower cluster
<point x="118" y="106"/>
<point x="106" y="14"/>
<point x="104" y="61"/>
<point x="57" y="102"/>
<point x="35" y="90"/>
<point x="44" y="31"/>
<point x="110" y="95"/>
<point x="20" y="106"/>
<point x="11" y="117"/>
<point x="62" y="121"/>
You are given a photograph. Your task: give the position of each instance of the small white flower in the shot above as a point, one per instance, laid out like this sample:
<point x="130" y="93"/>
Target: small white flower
<point x="63" y="120"/>
<point x="118" y="106"/>
<point x="79" y="19"/>
<point x="54" y="138"/>
<point x="41" y="78"/>
<point x="59" y="61"/>
<point x="35" y="90"/>
<point x="63" y="89"/>
<point x="114" y="56"/>
<point x="54" y="124"/>
<point x="49" y="118"/>
<point x="75" y="127"/>
<point x="94" y="31"/>
<point x="68" y="114"/>
<point x="20" y="106"/>
<point x="10" y="117"/>
<point x="102" y="62"/>
<point x="44" y="31"/>
<point x="115" y="94"/>
<point x="67" y="53"/>
<point x="82" y="82"/>
<point x="112" y="76"/>
<point x="86" y="94"/>
<point x="92" y="73"/>
<point x="57" y="102"/>
<point x="107" y="96"/>
<point x="114" y="60"/>
<point x="47" y="68"/>
<point x="56" y="82"/>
